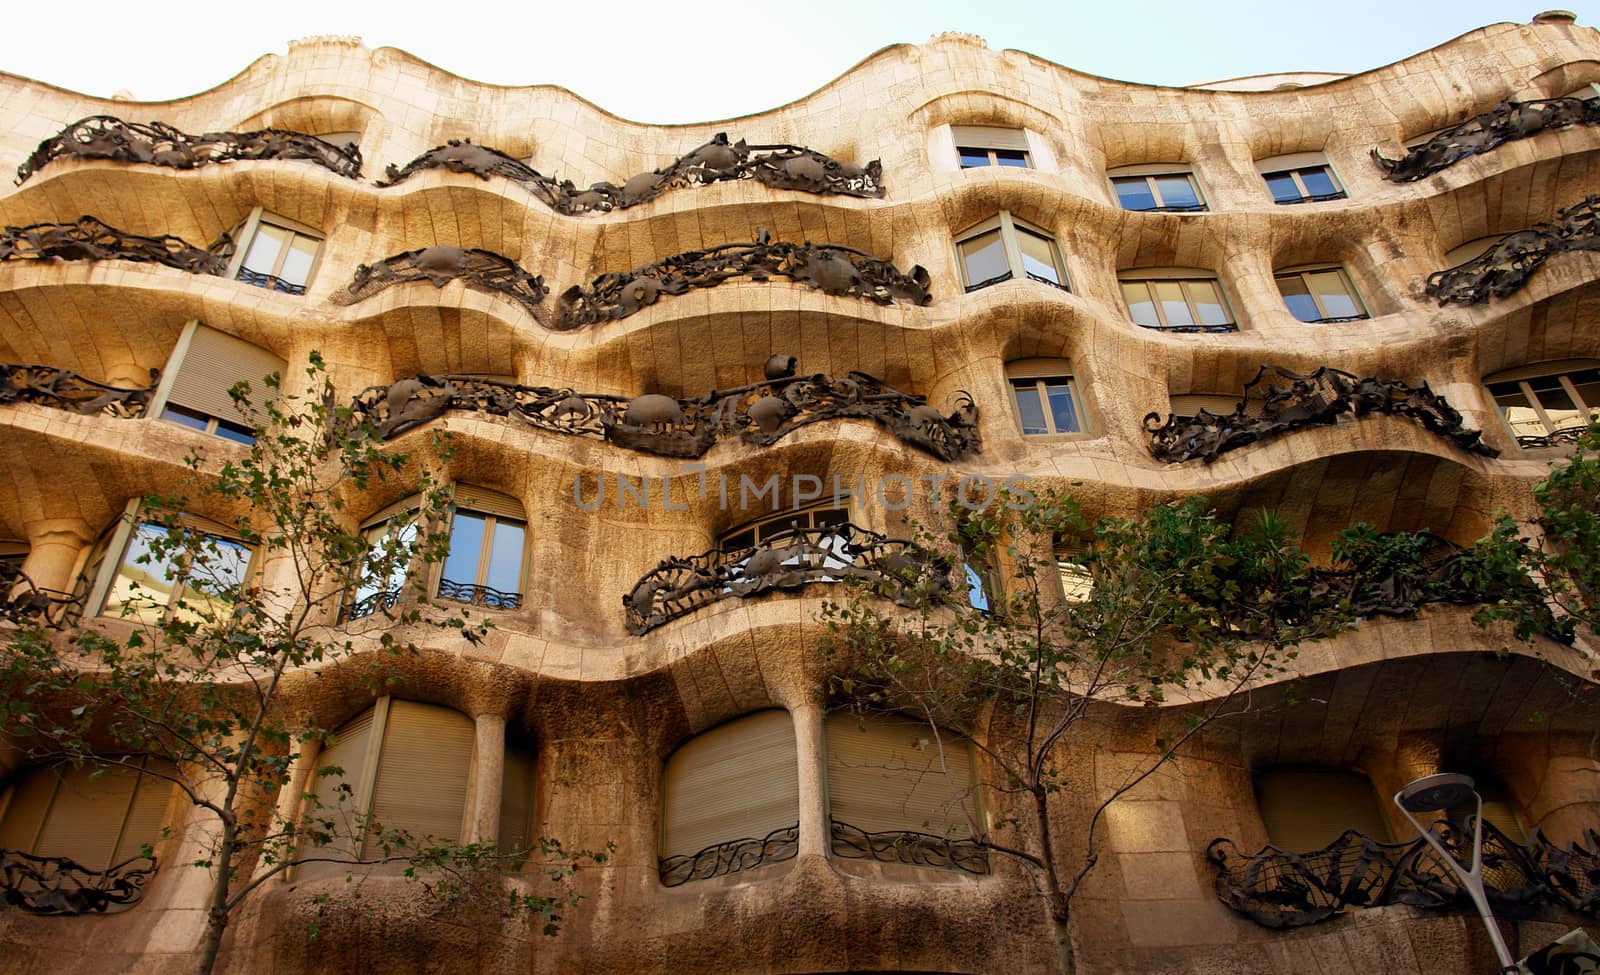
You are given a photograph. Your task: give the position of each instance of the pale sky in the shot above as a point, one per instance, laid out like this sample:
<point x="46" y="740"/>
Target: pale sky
<point x="693" y="60"/>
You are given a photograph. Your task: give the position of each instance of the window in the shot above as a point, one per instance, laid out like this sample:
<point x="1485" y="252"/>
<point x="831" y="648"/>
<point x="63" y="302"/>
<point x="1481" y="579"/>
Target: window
<point x="738" y="781"/>
<point x="205" y="366"/>
<point x="487" y="536"/>
<point x="275" y="253"/>
<point x="1549" y="402"/>
<point x="150" y="587"/>
<point x="1306" y="809"/>
<point x="835" y="551"/>
<point x="96" y="815"/>
<point x="390" y="537"/>
<point x="983" y="145"/>
<point x="1180" y="300"/>
<point x="1002" y="248"/>
<point x="1468" y="250"/>
<point x="888" y="774"/>
<point x="1304" y="177"/>
<point x="1320" y="295"/>
<point x="1160" y="188"/>
<point x="1045" y="397"/>
<point x="1076" y="578"/>
<point x="405" y="766"/>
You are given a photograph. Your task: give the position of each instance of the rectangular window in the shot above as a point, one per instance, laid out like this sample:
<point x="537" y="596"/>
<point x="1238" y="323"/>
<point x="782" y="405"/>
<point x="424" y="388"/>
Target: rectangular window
<point x="1306" y="184"/>
<point x="1045" y="405"/>
<point x="1158" y="193"/>
<point x="1539" y="408"/>
<point x="277" y="254"/>
<point x="983" y="145"/>
<point x="484" y="565"/>
<point x="205" y="366"/>
<point x="1178" y="304"/>
<point x="1320" y="296"/>
<point x="154" y="582"/>
<point x="1003" y="248"/>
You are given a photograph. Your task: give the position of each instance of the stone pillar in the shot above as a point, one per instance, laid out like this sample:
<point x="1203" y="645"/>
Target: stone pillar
<point x="813" y="777"/>
<point x="1568" y="801"/>
<point x="127" y="375"/>
<point x="488" y="774"/>
<point x="53" y="547"/>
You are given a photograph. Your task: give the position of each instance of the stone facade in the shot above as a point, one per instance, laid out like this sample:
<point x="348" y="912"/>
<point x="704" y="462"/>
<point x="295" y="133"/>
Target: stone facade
<point x="603" y="707"/>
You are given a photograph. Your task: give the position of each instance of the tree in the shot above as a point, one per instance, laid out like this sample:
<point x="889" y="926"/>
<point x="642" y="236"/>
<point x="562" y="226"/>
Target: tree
<point x="196" y="686"/>
<point x="1172" y="602"/>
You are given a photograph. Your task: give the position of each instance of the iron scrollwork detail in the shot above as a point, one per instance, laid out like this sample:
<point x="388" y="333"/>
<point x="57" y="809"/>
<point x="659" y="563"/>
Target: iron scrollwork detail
<point x="830" y="268"/>
<point x="24" y="603"/>
<point x="734" y="856"/>
<point x="781" y="166"/>
<point x="478" y="268"/>
<point x="906" y="846"/>
<point x="786" y="561"/>
<point x="1509" y="262"/>
<point x="71" y="392"/>
<point x="159" y="144"/>
<point x="1281" y="889"/>
<point x="761" y="413"/>
<point x="59" y="886"/>
<point x="1317" y="399"/>
<point x="1506" y="122"/>
<point x="90" y="239"/>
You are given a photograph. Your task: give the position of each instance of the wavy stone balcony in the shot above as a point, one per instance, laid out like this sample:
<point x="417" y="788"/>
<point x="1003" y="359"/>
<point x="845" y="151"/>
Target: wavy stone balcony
<point x="787" y="561"/>
<point x="89" y="239"/>
<point x="1506" y="122"/>
<point x="1507" y="265"/>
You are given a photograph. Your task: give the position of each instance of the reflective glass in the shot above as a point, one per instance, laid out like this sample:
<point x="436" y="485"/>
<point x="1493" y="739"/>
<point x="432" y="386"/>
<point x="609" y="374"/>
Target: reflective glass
<point x="1521" y="417"/>
<point x="1297" y="298"/>
<point x="466" y="547"/>
<point x="1011" y="157"/>
<point x="193" y="419"/>
<point x="403" y="536"/>
<point x="977" y="594"/>
<point x="264" y="249"/>
<point x="1134" y="193"/>
<point x="505" y="558"/>
<point x="1140" y="306"/>
<point x="1063" y="411"/>
<point x="1030" y="412"/>
<point x="297" y="263"/>
<point x="1334" y="292"/>
<point x="972" y="158"/>
<point x="1173" y="305"/>
<point x="1077" y="582"/>
<point x="1177" y="191"/>
<point x="1207" y="300"/>
<point x="143" y="586"/>
<point x="1319" y="182"/>
<point x="984" y="257"/>
<point x="213" y="580"/>
<point x="1283" y="188"/>
<point x="1038" y="256"/>
<point x="236" y="432"/>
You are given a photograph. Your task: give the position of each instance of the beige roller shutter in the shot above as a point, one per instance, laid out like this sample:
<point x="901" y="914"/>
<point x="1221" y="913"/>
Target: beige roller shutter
<point x="737" y="781"/>
<point x="86" y="816"/>
<point x="989" y="137"/>
<point x="1306" y="809"/>
<point x="26" y="803"/>
<point x="210" y="366"/>
<point x="349" y="753"/>
<point x="516" y="801"/>
<point x="887" y="774"/>
<point x="147" y="814"/>
<point x="485" y="501"/>
<point x="422" y="775"/>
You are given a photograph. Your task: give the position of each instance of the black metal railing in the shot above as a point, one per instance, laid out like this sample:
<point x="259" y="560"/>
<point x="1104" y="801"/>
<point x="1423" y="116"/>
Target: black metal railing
<point x="1334" y="321"/>
<point x="57" y="885"/>
<point x="263" y="280"/>
<point x="1192" y="329"/>
<point x="1313" y="198"/>
<point x="474" y="595"/>
<point x="22" y="603"/>
<point x="1505" y="122"/>
<point x="721" y="859"/>
<point x="69" y="391"/>
<point x="786" y="561"/>
<point x="907" y="846"/>
<point x="986" y="282"/>
<point x="1563" y="437"/>
<point x="1505" y="266"/>
<point x="381" y="601"/>
<point x="1052" y="282"/>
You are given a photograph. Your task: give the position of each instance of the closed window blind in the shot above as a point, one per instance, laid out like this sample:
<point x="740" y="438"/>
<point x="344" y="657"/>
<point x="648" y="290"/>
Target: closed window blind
<point x="212" y="364"/>
<point x="989" y="137"/>
<point x="1306" y="809"/>
<point x="737" y="781"/>
<point x="422" y="775"/>
<point x="95" y="821"/>
<point x="338" y="795"/>
<point x="888" y="774"/>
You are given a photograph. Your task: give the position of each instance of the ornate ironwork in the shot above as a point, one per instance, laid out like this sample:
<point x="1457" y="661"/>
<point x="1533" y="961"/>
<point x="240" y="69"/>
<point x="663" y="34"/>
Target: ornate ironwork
<point x="381" y="601"/>
<point x="57" y="885"/>
<point x="784" y="167"/>
<point x="1564" y="437"/>
<point x="761" y="413"/>
<point x="1506" y="122"/>
<point x="905" y="846"/>
<point x="473" y="595"/>
<point x="159" y="144"/>
<point x="1317" y="399"/>
<point x="1193" y="329"/>
<point x="69" y="391"/>
<point x="478" y="268"/>
<point x="272" y="283"/>
<point x="731" y="857"/>
<point x="91" y="240"/>
<point x="1280" y="889"/>
<point x="1507" y="264"/>
<point x="24" y="603"/>
<point x="786" y="561"/>
<point x="829" y="268"/>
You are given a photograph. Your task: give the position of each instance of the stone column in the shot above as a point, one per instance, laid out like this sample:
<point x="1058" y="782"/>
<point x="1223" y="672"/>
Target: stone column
<point x="488" y="774"/>
<point x="127" y="375"/>
<point x="53" y="547"/>
<point x="813" y="780"/>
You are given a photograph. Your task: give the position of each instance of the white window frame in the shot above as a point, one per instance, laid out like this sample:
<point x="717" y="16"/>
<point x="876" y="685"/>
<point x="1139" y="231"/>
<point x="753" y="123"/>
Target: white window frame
<point x="991" y="140"/>
<point x="1150" y="173"/>
<point x="245" y="236"/>
<point x="1042" y="371"/>
<point x="1292" y="165"/>
<point x="1009" y="227"/>
<point x="463" y="503"/>
<point x="209" y="423"/>
<point x="1304" y="273"/>
<point x="1183" y="276"/>
<point x="113" y="556"/>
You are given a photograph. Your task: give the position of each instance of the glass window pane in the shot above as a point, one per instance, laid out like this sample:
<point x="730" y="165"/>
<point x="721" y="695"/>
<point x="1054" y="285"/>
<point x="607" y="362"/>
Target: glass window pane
<point x="236" y="432"/>
<point x="977" y="594"/>
<point x="1283" y="188"/>
<point x="984" y="257"/>
<point x="1134" y="193"/>
<point x="213" y="580"/>
<point x="1063" y="411"/>
<point x="505" y="558"/>
<point x="1077" y="582"/>
<point x="1140" y="307"/>
<point x="297" y="263"/>
<point x="1030" y="412"/>
<point x="1176" y="191"/>
<point x="1334" y="292"/>
<point x="1011" y="157"/>
<point x="1207" y="300"/>
<point x="466" y="546"/>
<point x="742" y="539"/>
<point x="1514" y="406"/>
<point x="1587" y="382"/>
<point x="1318" y="182"/>
<point x="403" y="537"/>
<point x="1038" y="256"/>
<point x="972" y="158"/>
<point x="263" y="254"/>
<point x="1297" y="297"/>
<point x="193" y="419"/>
<point x="143" y="585"/>
<point x="1173" y="305"/>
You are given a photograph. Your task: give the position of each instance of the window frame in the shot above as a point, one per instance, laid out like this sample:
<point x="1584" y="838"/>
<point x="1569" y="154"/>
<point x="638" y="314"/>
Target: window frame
<point x="665" y="805"/>
<point x="1183" y="276"/>
<point x="1010" y="229"/>
<point x="501" y="599"/>
<point x="109" y="568"/>
<point x="193" y="417"/>
<point x="1562" y="370"/>
<point x="1149" y="173"/>
<point x="1303" y="273"/>
<point x="1292" y="165"/>
<point x="991" y="140"/>
<point x="1041" y="371"/>
<point x="245" y="236"/>
<point x="61" y="771"/>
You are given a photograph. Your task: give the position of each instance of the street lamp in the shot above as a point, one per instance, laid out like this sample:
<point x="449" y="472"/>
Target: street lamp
<point x="1433" y="793"/>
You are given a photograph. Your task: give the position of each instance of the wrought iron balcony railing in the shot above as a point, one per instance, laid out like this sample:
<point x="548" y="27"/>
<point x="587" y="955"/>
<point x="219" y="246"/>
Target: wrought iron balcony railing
<point x="69" y="391"/>
<point x="1281" y="889"/>
<point x="57" y="885"/>
<point x="785" y="562"/>
<point x="263" y="280"/>
<point x="88" y="239"/>
<point x="733" y="856"/>
<point x="1508" y="263"/>
<point x="25" y="604"/>
<point x="1193" y="329"/>
<point x="474" y="595"/>
<point x="1506" y="122"/>
<point x="906" y="846"/>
